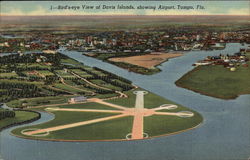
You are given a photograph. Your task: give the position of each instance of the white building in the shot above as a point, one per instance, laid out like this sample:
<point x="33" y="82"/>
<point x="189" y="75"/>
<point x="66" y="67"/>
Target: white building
<point x="78" y="99"/>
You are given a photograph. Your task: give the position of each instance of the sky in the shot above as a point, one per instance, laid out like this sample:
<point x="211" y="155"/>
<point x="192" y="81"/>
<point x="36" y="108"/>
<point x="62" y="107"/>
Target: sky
<point x="35" y="8"/>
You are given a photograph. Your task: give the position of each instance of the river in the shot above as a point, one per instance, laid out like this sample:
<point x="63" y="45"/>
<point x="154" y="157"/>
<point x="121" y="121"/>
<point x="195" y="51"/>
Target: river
<point x="224" y="134"/>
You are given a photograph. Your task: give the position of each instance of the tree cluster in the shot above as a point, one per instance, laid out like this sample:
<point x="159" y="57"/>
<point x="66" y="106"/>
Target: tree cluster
<point x="6" y="114"/>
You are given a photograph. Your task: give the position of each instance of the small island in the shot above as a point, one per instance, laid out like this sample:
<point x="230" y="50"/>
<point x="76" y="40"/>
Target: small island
<point x="142" y="63"/>
<point x="222" y="76"/>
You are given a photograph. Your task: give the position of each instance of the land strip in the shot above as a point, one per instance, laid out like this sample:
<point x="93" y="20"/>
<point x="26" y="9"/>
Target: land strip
<point x="148" y="61"/>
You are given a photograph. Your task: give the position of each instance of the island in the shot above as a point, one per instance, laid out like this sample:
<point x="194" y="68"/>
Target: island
<point x="222" y="76"/>
<point x="88" y="103"/>
<point x="142" y="63"/>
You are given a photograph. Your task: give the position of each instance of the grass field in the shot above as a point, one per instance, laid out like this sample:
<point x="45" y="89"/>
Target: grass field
<point x="217" y="81"/>
<point x="154" y="125"/>
<point x="62" y="118"/>
<point x="114" y="129"/>
<point x="70" y="61"/>
<point x="168" y="124"/>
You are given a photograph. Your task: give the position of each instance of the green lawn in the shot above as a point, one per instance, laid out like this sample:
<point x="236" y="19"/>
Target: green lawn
<point x="154" y="125"/>
<point x="107" y="130"/>
<point x="70" y="61"/>
<point x="20" y="117"/>
<point x="63" y="118"/>
<point x="159" y="125"/>
<point x="217" y="81"/>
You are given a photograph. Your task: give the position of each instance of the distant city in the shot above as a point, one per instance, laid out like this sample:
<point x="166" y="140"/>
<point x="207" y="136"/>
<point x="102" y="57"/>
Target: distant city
<point x="184" y="39"/>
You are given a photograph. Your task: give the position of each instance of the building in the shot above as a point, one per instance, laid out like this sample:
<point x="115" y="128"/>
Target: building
<point x="77" y="99"/>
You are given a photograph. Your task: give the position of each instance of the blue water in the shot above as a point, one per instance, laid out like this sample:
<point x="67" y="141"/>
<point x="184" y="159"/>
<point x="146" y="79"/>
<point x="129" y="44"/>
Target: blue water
<point x="224" y="134"/>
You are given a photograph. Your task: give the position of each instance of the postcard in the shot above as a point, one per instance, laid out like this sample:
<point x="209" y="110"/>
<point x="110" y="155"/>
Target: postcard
<point x="125" y="80"/>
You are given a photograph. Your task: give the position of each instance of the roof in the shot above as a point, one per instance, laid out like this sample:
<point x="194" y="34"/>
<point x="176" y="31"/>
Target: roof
<point x="80" y="98"/>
